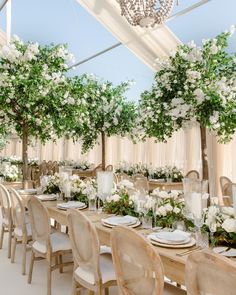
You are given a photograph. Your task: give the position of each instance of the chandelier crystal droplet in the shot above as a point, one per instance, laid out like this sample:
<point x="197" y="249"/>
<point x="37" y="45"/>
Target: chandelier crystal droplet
<point x="146" y="13"/>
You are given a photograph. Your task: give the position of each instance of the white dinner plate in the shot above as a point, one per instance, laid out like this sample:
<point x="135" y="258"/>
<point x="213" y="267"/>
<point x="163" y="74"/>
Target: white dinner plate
<point x="28" y="191"/>
<point x="129" y="225"/>
<point x="225" y="251"/>
<point x="71" y="205"/>
<point x="163" y="241"/>
<point x="120" y="220"/>
<point x="191" y="243"/>
<point x="175" y="237"/>
<point x="47" y="197"/>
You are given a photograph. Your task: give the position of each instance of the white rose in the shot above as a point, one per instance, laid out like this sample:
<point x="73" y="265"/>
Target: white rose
<point x="168" y="207"/>
<point x="161" y="211"/>
<point x="176" y="210"/>
<point x="227" y="211"/>
<point x="163" y="194"/>
<point x="115" y="198"/>
<point x="229" y="225"/>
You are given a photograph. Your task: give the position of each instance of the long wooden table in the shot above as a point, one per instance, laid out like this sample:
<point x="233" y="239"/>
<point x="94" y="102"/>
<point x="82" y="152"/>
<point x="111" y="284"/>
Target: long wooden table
<point x="174" y="266"/>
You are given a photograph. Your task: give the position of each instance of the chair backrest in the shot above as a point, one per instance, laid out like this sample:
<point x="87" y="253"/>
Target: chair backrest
<point x="138" y="267"/>
<point x="193" y="174"/>
<point x="84" y="242"/>
<point x="43" y="168"/>
<point x="142" y="185"/>
<point x="109" y="168"/>
<point x="5" y="203"/>
<point x="122" y="176"/>
<point x="96" y="169"/>
<point x="138" y="176"/>
<point x="208" y="273"/>
<point x="39" y="220"/>
<point x="226" y="186"/>
<point x="18" y="210"/>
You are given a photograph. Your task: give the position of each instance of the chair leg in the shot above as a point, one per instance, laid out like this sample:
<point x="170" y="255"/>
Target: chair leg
<point x="13" y="250"/>
<point x="60" y="262"/>
<point x="74" y="288"/>
<point x="31" y="267"/>
<point x="9" y="241"/>
<point x="49" y="277"/>
<point x="2" y="236"/>
<point x="23" y="257"/>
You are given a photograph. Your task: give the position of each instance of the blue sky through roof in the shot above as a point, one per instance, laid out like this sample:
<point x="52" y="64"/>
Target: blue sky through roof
<point x="65" y="21"/>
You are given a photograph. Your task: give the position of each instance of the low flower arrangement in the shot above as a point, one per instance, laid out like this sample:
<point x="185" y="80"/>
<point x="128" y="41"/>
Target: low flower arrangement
<point x="170" y="209"/>
<point x="80" y="165"/>
<point x="120" y="203"/>
<point x="132" y="169"/>
<point x="11" y="173"/>
<point x="53" y="184"/>
<point x="221" y="223"/>
<point x="165" y="173"/>
<point x="83" y="190"/>
<point x="15" y="160"/>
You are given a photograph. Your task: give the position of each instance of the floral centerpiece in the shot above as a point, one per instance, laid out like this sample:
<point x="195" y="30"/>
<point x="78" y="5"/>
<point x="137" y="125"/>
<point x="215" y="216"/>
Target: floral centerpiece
<point x="194" y="86"/>
<point x="53" y="184"/>
<point x="121" y="202"/>
<point x="170" y="209"/>
<point x="10" y="173"/>
<point x="83" y="190"/>
<point x="81" y="165"/>
<point x="166" y="173"/>
<point x="132" y="169"/>
<point x="220" y="222"/>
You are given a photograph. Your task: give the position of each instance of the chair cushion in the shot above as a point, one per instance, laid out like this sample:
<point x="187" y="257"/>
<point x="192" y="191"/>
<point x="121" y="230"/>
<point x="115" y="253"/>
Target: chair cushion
<point x="18" y="231"/>
<point x="106" y="268"/>
<point x="105" y="249"/>
<point x="172" y="290"/>
<point x="59" y="242"/>
<point x="5" y="221"/>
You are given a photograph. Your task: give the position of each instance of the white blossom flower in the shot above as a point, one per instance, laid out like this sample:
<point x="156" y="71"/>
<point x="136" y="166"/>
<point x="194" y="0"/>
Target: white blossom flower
<point x="229" y="225"/>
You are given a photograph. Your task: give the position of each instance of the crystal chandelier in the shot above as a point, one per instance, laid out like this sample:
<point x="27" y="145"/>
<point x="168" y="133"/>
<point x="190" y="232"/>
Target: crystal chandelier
<point x="146" y="13"/>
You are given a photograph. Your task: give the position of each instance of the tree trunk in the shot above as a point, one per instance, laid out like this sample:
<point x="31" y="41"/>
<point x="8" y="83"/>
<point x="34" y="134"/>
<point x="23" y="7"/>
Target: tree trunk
<point x="205" y="173"/>
<point x="25" y="153"/>
<point x="103" y="151"/>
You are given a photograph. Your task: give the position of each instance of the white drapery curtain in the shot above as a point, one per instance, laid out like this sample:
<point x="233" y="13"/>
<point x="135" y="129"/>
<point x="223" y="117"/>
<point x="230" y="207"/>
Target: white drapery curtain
<point x="182" y="150"/>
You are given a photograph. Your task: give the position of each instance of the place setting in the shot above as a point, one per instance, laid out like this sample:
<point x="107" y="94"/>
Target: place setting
<point x="172" y="239"/>
<point x="113" y="221"/>
<point x="71" y="205"/>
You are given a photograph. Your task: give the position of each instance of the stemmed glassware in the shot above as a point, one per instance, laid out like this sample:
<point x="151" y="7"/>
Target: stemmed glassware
<point x="196" y="198"/>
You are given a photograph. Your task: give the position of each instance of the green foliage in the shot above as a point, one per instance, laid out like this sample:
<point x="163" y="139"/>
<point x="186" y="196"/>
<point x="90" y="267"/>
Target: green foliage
<point x="105" y="109"/>
<point x="120" y="204"/>
<point x="195" y="84"/>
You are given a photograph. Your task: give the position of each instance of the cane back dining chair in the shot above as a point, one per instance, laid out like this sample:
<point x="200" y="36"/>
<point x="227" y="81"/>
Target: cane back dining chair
<point x="45" y="244"/>
<point x="194" y="174"/>
<point x="7" y="226"/>
<point x="226" y="190"/>
<point x="22" y="229"/>
<point x="138" y="267"/>
<point x="142" y="185"/>
<point x="93" y="270"/>
<point x="208" y="273"/>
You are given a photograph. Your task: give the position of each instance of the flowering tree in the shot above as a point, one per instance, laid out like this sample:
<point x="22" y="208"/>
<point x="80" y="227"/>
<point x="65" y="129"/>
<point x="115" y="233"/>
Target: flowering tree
<point x="105" y="113"/>
<point x="35" y="95"/>
<point x="195" y="84"/>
